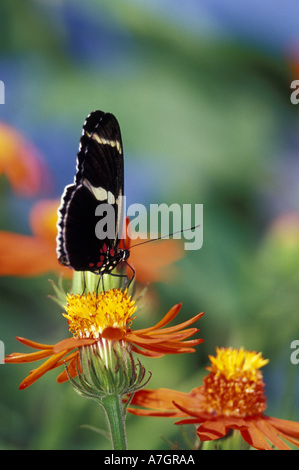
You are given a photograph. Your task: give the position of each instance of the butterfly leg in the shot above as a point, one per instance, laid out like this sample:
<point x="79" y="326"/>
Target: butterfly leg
<point x="84" y="283"/>
<point x="132" y="278"/>
<point x="101" y="278"/>
<point x="120" y="276"/>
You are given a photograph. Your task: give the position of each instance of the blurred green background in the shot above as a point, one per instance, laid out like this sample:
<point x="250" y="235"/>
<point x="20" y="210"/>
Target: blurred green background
<point x="201" y="90"/>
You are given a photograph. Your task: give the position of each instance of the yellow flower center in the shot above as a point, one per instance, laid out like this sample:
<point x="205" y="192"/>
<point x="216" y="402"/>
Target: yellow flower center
<point x="107" y="314"/>
<point x="235" y="385"/>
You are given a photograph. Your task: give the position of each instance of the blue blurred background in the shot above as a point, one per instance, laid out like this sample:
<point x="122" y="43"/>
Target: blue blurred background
<point x="201" y="90"/>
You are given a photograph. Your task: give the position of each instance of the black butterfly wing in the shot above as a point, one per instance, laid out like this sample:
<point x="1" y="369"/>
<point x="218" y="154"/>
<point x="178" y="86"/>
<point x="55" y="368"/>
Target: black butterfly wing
<point x="99" y="180"/>
<point x="77" y="245"/>
<point x="100" y="157"/>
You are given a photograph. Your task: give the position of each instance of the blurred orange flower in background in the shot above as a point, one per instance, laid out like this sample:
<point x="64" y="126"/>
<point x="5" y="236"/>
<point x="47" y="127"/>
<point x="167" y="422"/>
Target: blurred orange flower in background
<point x="25" y="255"/>
<point x="21" y="163"/>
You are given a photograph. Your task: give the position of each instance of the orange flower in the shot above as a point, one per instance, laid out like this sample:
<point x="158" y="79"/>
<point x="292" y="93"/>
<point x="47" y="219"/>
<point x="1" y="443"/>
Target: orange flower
<point x="25" y="255"/>
<point x="231" y="397"/>
<point x="20" y="161"/>
<point x="97" y="319"/>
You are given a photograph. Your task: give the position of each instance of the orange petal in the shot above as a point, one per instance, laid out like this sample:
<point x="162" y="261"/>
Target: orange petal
<point x="289" y="428"/>
<point x="181" y="326"/>
<point x="71" y="343"/>
<point x="51" y="363"/>
<point x="270" y="433"/>
<point x="45" y="350"/>
<point x="18" y="358"/>
<point x="161" y="398"/>
<point x="33" y="344"/>
<point x="72" y="368"/>
<point x="211" y="429"/>
<point x="255" y="438"/>
<point x="146" y="353"/>
<point x="170" y="315"/>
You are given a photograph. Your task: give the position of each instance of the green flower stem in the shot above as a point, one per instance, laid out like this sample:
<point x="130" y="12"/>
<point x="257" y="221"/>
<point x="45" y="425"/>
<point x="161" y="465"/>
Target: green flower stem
<point x="116" y="418"/>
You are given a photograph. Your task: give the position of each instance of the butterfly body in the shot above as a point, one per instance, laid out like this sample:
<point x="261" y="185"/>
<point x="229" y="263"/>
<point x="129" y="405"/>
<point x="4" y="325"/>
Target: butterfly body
<point x="109" y="261"/>
<point x="99" y="181"/>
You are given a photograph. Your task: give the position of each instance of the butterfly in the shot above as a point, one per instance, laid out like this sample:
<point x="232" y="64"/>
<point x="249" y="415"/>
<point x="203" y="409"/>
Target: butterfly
<point x="98" y="183"/>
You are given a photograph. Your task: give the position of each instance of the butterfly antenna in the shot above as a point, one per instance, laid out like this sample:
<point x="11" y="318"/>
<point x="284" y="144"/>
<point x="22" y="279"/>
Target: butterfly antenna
<point x="165" y="236"/>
